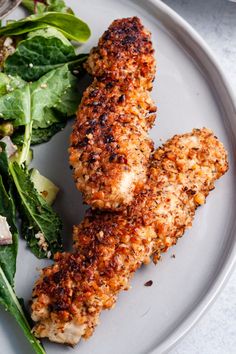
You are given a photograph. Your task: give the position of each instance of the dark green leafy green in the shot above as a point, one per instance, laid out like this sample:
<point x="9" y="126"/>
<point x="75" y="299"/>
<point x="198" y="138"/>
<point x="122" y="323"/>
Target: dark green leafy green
<point x="10" y="302"/>
<point x="43" y="51"/>
<point x="4" y="170"/>
<point x="14" y="99"/>
<point x="36" y="97"/>
<point x="38" y="218"/>
<point x="39" y="102"/>
<point x="9" y="83"/>
<point x="40" y="135"/>
<point x="8" y="254"/>
<point x="47" y="5"/>
<point x="72" y="27"/>
<point x="15" y="105"/>
<point x="47" y="94"/>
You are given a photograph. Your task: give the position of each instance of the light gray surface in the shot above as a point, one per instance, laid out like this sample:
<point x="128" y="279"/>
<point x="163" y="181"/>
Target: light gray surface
<point x="215" y="21"/>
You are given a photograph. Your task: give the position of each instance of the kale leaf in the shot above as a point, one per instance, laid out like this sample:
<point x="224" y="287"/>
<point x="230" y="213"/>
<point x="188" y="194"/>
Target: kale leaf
<point x="70" y="26"/>
<point x="40" y="101"/>
<point x="40" y="135"/>
<point x="41" y="226"/>
<point x="8" y="254"/>
<point x="42" y="51"/>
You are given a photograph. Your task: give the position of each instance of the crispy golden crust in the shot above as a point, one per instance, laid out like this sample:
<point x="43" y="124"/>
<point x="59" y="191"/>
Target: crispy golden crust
<point x="110" y="147"/>
<point x="124" y="52"/>
<point x="109" y="247"/>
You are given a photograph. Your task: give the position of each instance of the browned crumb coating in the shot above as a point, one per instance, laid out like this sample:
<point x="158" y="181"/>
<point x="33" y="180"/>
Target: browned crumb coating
<point x="110" y="147"/>
<point x="109" y="247"/>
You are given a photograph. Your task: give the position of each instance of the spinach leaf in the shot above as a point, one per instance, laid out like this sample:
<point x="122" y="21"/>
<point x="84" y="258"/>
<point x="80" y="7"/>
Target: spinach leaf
<point x="39" y="221"/>
<point x="43" y="51"/>
<point x="48" y="5"/>
<point x="72" y="27"/>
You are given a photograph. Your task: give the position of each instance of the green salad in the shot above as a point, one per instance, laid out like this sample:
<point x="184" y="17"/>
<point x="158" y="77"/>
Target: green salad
<point x="39" y="78"/>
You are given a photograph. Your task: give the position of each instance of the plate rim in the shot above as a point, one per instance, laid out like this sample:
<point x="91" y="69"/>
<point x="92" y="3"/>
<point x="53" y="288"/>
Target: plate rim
<point x="185" y="29"/>
<point x="10" y="8"/>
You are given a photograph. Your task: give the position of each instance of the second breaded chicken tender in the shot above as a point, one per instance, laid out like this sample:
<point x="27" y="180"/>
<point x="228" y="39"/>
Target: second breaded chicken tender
<point x="110" y="146"/>
<point x="109" y="247"/>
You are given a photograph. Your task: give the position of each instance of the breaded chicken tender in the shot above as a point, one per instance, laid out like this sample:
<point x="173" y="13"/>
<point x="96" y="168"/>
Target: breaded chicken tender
<point x="110" y="146"/>
<point x="109" y="247"/>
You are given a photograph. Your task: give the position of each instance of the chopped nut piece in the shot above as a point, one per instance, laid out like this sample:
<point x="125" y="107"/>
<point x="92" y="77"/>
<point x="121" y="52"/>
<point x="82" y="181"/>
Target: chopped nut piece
<point x="199" y="198"/>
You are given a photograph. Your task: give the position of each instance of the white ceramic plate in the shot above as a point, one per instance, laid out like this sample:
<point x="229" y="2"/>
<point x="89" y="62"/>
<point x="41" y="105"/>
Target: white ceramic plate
<point x="190" y="91"/>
